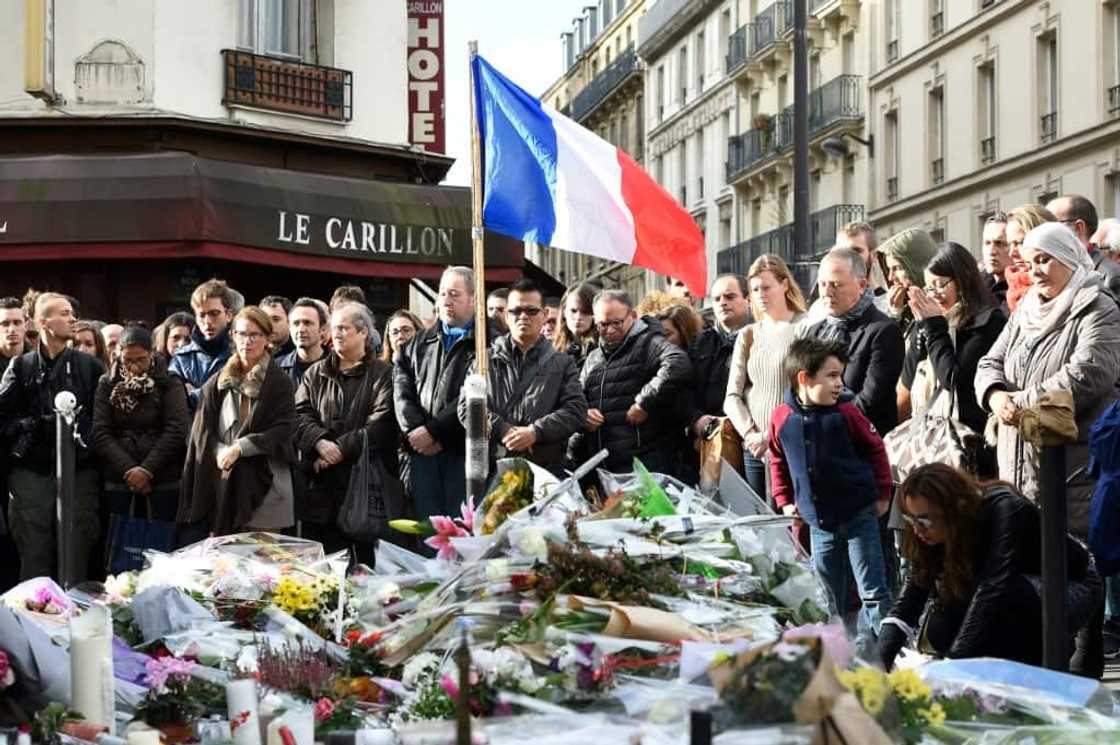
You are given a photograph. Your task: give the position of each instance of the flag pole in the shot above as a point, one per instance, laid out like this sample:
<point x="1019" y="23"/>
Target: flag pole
<point x="477" y="462"/>
<point x="476" y="227"/>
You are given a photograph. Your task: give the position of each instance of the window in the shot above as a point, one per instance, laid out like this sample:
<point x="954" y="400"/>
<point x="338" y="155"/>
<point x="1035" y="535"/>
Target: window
<point x="659" y="170"/>
<point x="936" y="135"/>
<point x="724" y="33"/>
<point x="660" y="93"/>
<point x="725" y="135"/>
<point x="892" y="11"/>
<point x="700" y="162"/>
<point x="814" y="72"/>
<point x="280" y="28"/>
<point x="624" y="134"/>
<point x="629" y="38"/>
<point x="725" y="224"/>
<point x="756" y="216"/>
<point x="682" y="171"/>
<point x="783" y="92"/>
<point x="891" y="130"/>
<point x="936" y="18"/>
<point x="682" y="74"/>
<point x="699" y="62"/>
<point x="606" y="12"/>
<point x="986" y="86"/>
<point x="783" y="205"/>
<point x="639" y="129"/>
<point x="1048" y="87"/>
<point x="619" y="6"/>
<point x="614" y="133"/>
<point x="1113" y="37"/>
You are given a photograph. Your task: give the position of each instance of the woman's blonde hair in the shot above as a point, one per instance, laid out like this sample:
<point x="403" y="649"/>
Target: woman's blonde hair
<point x="777" y="267"/>
<point x="1030" y="216"/>
<point x="656" y="302"/>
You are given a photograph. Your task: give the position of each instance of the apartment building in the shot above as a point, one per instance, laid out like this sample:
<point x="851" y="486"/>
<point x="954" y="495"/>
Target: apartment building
<point x="759" y="163"/>
<point x="602" y="88"/>
<point x="979" y="105"/>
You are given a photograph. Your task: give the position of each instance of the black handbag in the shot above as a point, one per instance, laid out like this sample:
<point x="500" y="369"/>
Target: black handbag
<point x="373" y="497"/>
<point x="130" y="537"/>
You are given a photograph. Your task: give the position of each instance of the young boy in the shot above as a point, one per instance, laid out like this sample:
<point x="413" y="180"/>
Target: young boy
<point x="829" y="468"/>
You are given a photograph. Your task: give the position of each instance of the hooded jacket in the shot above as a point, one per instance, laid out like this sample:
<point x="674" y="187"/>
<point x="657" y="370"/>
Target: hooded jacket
<point x="828" y="460"/>
<point x="644" y="369"/>
<point x="552" y="403"/>
<point x="427" y="379"/>
<point x="27" y="393"/>
<point x="198" y="361"/>
<point x="151" y="436"/>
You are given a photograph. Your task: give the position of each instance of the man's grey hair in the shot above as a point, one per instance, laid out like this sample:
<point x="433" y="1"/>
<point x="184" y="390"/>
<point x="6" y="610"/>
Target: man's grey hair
<point x="238" y="301"/>
<point x="854" y="260"/>
<point x="619" y="296"/>
<point x="464" y="272"/>
<point x="362" y="318"/>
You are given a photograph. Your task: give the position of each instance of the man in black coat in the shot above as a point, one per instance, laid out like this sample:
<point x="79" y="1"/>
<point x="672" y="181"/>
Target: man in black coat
<point x="27" y="395"/>
<point x="535" y="402"/>
<point x="875" y="347"/>
<point x="13" y="336"/>
<point x="427" y="379"/>
<point x="711" y="352"/>
<point x="631" y="381"/>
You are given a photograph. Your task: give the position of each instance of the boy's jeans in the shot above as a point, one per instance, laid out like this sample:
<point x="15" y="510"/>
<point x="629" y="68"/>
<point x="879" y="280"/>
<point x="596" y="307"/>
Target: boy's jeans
<point x="856" y="542"/>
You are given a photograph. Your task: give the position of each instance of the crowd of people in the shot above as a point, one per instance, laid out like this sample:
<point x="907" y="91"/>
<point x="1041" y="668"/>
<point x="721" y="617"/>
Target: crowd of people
<point x="239" y="417"/>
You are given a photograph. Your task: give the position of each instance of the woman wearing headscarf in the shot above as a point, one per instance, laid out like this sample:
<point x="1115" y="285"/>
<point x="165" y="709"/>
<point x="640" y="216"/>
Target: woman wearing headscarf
<point x="238" y="471"/>
<point x="140" y="423"/>
<point x="1064" y="336"/>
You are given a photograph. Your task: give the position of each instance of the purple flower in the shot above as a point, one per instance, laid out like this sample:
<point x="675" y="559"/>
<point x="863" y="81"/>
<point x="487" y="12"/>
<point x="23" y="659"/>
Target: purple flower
<point x="163" y="670"/>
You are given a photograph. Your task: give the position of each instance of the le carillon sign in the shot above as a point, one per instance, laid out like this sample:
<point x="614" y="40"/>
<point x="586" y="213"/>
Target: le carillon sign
<point x="180" y="197"/>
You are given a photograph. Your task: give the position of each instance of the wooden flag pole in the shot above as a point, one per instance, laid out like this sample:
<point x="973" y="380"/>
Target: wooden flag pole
<point x="476" y="228"/>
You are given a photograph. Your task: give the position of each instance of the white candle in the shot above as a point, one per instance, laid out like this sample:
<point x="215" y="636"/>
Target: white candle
<point x="91" y="666"/>
<point x="241" y="704"/>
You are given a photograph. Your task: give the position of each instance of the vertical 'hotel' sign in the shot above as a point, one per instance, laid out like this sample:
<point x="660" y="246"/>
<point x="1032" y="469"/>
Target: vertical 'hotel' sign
<point x="425" y="74"/>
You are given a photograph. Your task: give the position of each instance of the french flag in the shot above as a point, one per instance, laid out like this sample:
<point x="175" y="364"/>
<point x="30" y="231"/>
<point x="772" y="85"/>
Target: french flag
<point x="550" y="181"/>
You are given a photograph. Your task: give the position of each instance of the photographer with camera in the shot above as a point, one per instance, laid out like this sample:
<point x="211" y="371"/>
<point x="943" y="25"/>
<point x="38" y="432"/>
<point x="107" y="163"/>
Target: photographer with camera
<point x="27" y="393"/>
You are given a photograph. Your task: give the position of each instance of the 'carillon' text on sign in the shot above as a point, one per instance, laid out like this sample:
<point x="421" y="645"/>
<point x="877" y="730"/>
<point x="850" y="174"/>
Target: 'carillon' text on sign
<point x="358" y="235"/>
<point x="425" y="75"/>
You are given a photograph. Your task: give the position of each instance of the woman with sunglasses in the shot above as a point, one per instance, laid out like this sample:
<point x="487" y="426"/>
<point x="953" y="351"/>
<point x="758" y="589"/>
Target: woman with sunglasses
<point x="957" y="322"/>
<point x="238" y="472"/>
<point x="974" y="572"/>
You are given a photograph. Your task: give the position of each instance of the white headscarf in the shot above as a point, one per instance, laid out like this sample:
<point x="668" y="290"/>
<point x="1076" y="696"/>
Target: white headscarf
<point x="1036" y="317"/>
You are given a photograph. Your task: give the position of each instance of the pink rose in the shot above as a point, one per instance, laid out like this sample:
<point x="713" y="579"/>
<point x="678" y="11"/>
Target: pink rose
<point x="324" y="710"/>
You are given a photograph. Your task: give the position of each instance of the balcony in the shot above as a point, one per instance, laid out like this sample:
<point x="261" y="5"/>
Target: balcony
<point x="283" y="85"/>
<point x="625" y="67"/>
<point x="823" y="225"/>
<point x="837" y="101"/>
<point x="1048" y="126"/>
<point x="736" y="50"/>
<point x="988" y="150"/>
<point x="937" y="171"/>
<point x="1114" y="99"/>
<point x="769" y="25"/>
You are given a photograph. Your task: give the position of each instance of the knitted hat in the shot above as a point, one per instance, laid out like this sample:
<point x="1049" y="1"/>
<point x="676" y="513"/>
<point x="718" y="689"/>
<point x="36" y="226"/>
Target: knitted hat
<point x="913" y="248"/>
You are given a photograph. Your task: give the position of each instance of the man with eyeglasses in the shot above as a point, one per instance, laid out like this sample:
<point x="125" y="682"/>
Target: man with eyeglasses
<point x="427" y="378"/>
<point x="535" y="400"/>
<point x="996" y="258"/>
<point x="1079" y="215"/>
<point x="632" y="381"/>
<point x="213" y="303"/>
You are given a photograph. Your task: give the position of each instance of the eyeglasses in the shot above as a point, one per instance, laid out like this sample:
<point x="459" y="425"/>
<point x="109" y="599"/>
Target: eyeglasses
<point x="530" y="312"/>
<point x="402" y="331"/>
<point x="250" y="336"/>
<point x="939" y="287"/>
<point x="211" y="314"/>
<point x="924" y="523"/>
<point x="615" y="323"/>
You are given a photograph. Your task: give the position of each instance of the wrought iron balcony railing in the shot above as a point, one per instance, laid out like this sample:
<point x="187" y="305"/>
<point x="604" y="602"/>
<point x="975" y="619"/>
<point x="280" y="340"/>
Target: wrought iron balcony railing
<point x="823" y="225"/>
<point x="605" y="83"/>
<point x="283" y="85"/>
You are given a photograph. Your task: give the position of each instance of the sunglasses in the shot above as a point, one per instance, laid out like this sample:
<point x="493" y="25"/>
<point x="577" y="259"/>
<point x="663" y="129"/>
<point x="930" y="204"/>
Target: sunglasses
<point x="924" y="523"/>
<point x="530" y="312"/>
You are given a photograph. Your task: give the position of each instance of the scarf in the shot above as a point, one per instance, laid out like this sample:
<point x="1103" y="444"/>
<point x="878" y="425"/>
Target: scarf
<point x="248" y="384"/>
<point x="129" y="388"/>
<point x="838" y="328"/>
<point x="451" y="334"/>
<point x="1038" y="317"/>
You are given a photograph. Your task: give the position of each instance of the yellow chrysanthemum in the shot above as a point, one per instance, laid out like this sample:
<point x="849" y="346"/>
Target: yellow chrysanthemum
<point x="908" y="685"/>
<point x="935" y="714"/>
<point x="873" y="699"/>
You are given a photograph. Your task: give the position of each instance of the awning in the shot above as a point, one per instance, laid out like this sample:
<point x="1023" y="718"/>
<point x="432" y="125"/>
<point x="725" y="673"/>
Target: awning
<point x="173" y="205"/>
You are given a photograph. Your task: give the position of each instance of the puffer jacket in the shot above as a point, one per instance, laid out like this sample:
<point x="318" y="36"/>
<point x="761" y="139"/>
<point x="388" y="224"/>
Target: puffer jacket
<point x="152" y="436"/>
<point x="427" y="381"/>
<point x="335" y="405"/>
<point x="645" y="369"/>
<point x="711" y="366"/>
<point x="199" y="361"/>
<point x="1005" y="545"/>
<point x="552" y="404"/>
<point x="27" y="393"/>
<point x="1082" y="356"/>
